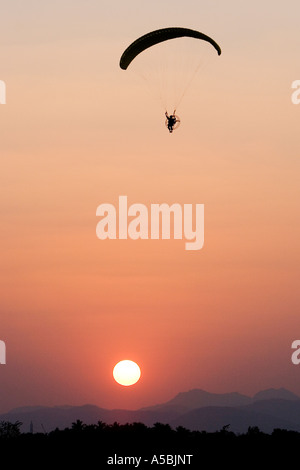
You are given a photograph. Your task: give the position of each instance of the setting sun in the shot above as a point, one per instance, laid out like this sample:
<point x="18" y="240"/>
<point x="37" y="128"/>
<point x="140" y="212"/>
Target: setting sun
<point x="126" y="373"/>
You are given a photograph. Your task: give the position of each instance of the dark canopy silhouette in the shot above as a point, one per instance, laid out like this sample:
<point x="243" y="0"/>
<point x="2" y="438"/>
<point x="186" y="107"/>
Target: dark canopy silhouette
<point x="161" y="35"/>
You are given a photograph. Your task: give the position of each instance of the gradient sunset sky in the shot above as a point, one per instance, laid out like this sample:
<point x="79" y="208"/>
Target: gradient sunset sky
<point x="77" y="131"/>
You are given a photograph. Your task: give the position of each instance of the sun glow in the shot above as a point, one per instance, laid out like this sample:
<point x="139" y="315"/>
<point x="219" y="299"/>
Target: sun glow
<point x="126" y="373"/>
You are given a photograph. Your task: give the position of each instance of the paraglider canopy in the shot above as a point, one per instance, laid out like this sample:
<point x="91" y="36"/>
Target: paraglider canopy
<point x="161" y="35"/>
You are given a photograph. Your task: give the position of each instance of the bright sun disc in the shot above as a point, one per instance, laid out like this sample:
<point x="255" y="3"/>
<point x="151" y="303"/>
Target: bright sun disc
<point x="126" y="373"/>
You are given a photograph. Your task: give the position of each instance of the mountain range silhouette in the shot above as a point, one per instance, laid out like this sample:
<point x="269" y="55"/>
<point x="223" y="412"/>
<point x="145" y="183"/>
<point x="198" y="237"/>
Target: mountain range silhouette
<point x="195" y="410"/>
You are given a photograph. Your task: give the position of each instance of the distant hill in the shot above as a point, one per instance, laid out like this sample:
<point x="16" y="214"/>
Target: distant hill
<point x="279" y="408"/>
<point x="275" y="393"/>
<point x="49" y="418"/>
<point x="195" y="409"/>
<point x="213" y="418"/>
<point x="199" y="398"/>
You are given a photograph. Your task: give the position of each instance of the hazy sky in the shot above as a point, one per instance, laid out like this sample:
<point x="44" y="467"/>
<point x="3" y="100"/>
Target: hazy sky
<point x="77" y="131"/>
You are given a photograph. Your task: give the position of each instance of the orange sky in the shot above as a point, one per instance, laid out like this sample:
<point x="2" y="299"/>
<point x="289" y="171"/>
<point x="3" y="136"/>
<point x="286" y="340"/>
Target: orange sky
<point x="222" y="318"/>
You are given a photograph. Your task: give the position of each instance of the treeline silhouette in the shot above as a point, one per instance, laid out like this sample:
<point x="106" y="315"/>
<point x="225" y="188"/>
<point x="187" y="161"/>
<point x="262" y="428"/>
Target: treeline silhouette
<point x="94" y="444"/>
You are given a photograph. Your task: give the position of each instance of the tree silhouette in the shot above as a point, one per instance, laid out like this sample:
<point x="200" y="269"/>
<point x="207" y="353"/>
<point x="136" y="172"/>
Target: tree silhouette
<point x="78" y="426"/>
<point x="8" y="429"/>
<point x="96" y="442"/>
